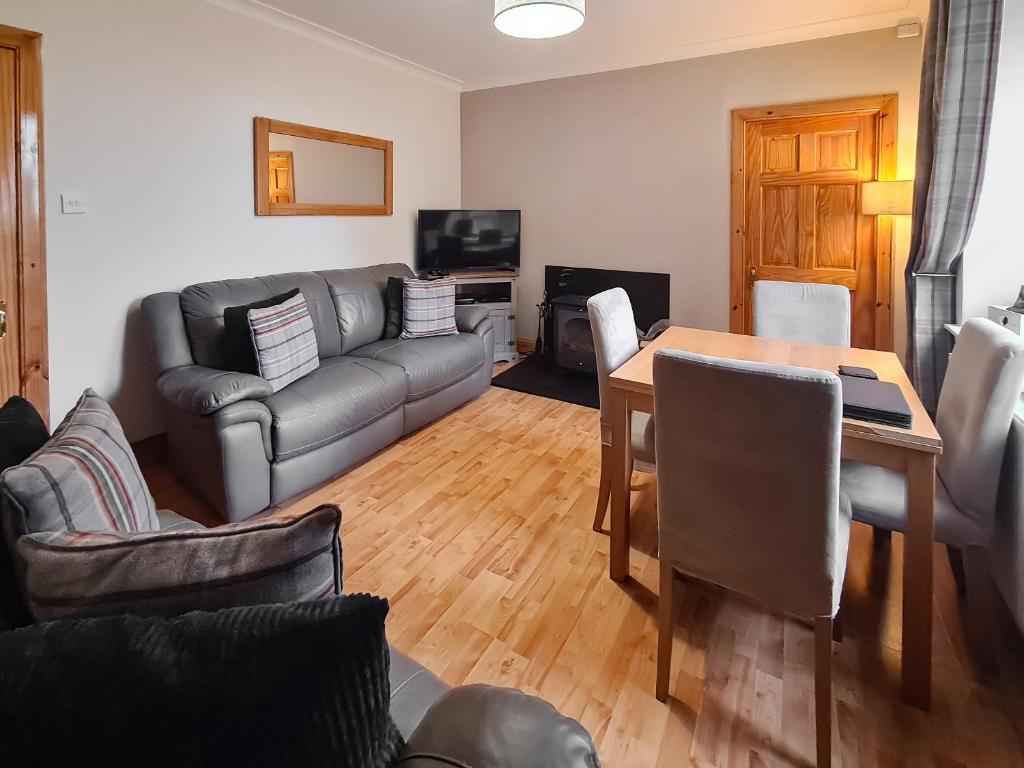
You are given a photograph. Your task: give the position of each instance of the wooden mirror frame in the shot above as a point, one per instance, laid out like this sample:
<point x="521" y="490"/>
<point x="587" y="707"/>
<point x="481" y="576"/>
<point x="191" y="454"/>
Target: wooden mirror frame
<point x="264" y="126"/>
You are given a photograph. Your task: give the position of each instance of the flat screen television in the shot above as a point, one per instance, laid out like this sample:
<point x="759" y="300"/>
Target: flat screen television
<point x="465" y="240"/>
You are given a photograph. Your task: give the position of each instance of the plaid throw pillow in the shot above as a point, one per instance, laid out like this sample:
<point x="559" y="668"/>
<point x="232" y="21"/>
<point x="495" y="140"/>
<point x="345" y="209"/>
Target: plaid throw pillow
<point x="284" y="341"/>
<point x="428" y="308"/>
<point x="84" y="479"/>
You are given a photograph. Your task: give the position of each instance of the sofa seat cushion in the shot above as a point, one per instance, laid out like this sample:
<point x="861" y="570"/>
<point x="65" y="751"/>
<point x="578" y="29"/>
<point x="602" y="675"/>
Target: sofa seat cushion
<point x="430" y="364"/>
<point x="341" y="396"/>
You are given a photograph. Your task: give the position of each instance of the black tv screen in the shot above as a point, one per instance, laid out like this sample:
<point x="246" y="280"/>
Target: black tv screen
<point x="454" y="240"/>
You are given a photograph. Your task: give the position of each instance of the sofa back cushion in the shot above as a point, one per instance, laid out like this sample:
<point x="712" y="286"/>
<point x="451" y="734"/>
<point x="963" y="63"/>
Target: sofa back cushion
<point x="203" y="304"/>
<point x="358" y="297"/>
<point x="166" y="573"/>
<point x="85" y="478"/>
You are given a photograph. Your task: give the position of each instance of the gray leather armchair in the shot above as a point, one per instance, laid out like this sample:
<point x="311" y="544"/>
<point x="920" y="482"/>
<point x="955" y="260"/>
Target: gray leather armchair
<point x="243" y="447"/>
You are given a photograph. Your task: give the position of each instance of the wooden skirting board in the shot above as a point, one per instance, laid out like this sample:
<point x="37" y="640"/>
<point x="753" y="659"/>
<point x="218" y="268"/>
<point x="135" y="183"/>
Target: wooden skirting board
<point x="525" y="346"/>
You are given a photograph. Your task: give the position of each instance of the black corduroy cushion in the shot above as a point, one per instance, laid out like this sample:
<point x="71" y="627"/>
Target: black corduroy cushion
<point x="22" y="433"/>
<point x="236" y="343"/>
<point x="394" y="297"/>
<point x="304" y="684"/>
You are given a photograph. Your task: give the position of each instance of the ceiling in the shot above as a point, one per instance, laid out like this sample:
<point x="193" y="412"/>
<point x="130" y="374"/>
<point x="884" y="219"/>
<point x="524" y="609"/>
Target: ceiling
<point x="457" y="38"/>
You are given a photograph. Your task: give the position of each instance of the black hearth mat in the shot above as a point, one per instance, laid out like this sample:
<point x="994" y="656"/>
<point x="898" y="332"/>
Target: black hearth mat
<point x="530" y="375"/>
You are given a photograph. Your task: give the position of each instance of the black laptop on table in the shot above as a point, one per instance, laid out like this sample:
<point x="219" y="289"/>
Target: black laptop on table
<point x="881" y="402"/>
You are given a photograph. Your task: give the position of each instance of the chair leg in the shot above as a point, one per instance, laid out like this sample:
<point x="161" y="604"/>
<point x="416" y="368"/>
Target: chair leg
<point x="823" y="690"/>
<point x="837" y="628"/>
<point x="665" y="622"/>
<point x="881" y="538"/>
<point x="980" y="605"/>
<point x="605" y="488"/>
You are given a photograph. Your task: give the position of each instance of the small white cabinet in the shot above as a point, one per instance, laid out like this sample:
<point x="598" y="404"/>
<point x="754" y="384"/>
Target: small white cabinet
<point x="495" y="292"/>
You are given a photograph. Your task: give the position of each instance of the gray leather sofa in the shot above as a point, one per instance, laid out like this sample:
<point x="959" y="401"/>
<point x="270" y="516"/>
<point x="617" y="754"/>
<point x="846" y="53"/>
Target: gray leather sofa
<point x="243" y="447"/>
<point x="480" y="726"/>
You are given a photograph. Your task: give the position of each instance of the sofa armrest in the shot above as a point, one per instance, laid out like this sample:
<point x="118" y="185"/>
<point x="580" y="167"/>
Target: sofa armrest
<point x="479" y="726"/>
<point x="202" y="391"/>
<point x="468" y="318"/>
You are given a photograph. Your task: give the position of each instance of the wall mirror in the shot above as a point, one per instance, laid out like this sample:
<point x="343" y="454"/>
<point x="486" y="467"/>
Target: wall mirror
<point x="306" y="171"/>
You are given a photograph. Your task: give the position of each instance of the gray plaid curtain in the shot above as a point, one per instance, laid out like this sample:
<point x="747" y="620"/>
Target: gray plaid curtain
<point x="958" y="79"/>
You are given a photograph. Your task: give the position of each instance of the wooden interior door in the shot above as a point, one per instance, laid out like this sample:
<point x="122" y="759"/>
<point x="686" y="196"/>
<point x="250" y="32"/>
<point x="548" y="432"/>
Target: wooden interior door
<point x="23" y="350"/>
<point x="798" y="175"/>
<point x="282" y="177"/>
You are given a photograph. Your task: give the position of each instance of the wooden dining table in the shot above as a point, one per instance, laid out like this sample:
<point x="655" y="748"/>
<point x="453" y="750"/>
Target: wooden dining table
<point x="912" y="452"/>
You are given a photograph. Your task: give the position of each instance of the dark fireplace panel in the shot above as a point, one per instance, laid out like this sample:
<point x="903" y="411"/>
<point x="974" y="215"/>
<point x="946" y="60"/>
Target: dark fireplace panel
<point x="568" y="342"/>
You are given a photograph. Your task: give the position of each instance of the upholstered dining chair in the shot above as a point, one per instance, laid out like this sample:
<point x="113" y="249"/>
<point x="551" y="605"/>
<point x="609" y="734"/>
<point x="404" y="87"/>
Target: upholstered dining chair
<point x="980" y="392"/>
<point x="748" y="496"/>
<point x="808" y="312"/>
<point x="615" y="341"/>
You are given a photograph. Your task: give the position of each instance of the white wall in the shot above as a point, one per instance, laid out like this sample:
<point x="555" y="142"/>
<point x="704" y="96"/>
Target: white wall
<point x="148" y="114"/>
<point x="630" y="169"/>
<point x="993" y="266"/>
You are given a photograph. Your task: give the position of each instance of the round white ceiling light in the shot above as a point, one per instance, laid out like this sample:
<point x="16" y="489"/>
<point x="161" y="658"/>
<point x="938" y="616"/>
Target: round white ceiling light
<point x="537" y="19"/>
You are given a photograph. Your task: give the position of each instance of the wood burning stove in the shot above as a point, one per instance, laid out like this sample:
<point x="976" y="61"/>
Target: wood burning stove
<point x="574" y="340"/>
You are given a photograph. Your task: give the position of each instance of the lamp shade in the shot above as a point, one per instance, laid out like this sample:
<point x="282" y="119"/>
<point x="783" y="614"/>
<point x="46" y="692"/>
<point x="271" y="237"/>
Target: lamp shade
<point x="539" y="18"/>
<point x="894" y="198"/>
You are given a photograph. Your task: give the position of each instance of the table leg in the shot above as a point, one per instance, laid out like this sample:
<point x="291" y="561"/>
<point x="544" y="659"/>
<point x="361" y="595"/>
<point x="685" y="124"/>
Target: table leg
<point x="917" y="580"/>
<point x="618" y="413"/>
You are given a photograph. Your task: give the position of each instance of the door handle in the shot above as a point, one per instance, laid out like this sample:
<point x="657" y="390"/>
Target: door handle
<point x="3" y="318"/>
<point x="753" y="276"/>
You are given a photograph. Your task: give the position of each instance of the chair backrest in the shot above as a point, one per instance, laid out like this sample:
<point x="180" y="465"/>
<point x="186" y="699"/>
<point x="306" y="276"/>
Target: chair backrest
<point x="808" y="312"/>
<point x="614" y="329"/>
<point x="748" y="478"/>
<point x="980" y="392"/>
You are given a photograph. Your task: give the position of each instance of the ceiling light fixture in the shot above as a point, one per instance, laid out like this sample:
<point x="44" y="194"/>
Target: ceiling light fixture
<point x="538" y="19"/>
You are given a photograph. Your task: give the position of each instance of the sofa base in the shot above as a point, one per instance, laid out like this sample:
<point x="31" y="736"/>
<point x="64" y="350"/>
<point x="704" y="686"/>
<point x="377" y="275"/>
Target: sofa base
<point x="419" y="413"/>
<point x="297" y="475"/>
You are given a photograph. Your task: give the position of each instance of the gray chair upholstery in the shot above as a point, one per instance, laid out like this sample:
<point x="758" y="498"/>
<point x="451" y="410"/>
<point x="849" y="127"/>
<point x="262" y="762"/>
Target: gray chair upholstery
<point x="808" y="312"/>
<point x="981" y="390"/>
<point x="748" y="494"/>
<point x="976" y="406"/>
<point x="615" y="341"/>
<point x="243" y="447"/>
<point x="1008" y="533"/>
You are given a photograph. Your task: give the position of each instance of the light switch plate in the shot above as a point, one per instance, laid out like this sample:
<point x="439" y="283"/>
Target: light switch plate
<point x="73" y="202"/>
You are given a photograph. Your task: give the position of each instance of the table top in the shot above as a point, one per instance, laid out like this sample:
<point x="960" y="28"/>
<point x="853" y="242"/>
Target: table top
<point x="637" y="374"/>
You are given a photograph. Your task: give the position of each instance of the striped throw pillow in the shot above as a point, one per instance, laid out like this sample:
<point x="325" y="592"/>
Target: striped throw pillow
<point x="428" y="308"/>
<point x="166" y="573"/>
<point x="284" y="341"/>
<point x="85" y="478"/>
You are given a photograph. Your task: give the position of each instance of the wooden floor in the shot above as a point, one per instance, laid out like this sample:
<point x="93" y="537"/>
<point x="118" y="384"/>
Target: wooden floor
<point x="477" y="528"/>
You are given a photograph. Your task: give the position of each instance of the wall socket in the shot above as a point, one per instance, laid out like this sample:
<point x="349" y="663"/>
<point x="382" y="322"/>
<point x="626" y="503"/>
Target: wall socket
<point x="73" y="202"/>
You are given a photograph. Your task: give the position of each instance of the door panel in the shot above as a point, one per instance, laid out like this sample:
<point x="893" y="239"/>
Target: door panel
<point x="10" y="344"/>
<point x="24" y="368"/>
<point x="801" y="217"/>
<point x="780" y="237"/>
<point x="835" y="224"/>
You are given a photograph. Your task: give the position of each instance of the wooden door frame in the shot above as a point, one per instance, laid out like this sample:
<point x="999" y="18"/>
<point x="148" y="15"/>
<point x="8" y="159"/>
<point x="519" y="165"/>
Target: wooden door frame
<point x="31" y="249"/>
<point x="887" y="108"/>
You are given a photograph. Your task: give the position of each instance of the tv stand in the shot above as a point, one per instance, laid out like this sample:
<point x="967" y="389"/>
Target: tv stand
<point x="496" y="291"/>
